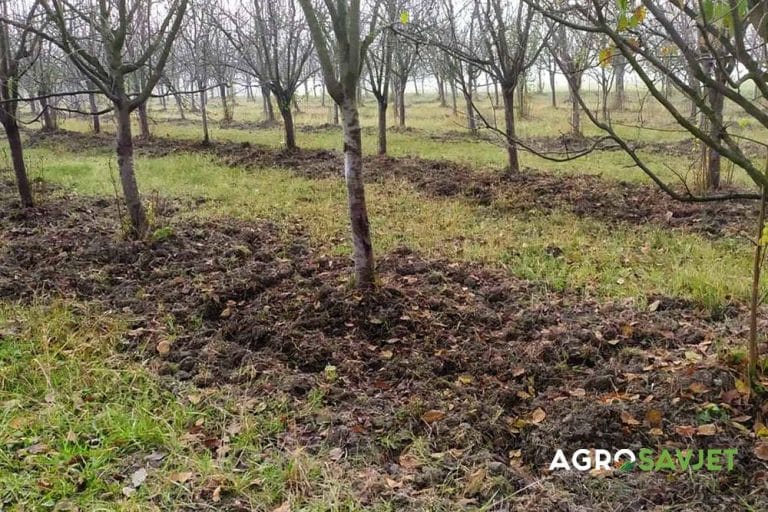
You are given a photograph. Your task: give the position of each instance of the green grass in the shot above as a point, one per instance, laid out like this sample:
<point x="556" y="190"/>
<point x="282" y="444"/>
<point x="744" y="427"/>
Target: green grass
<point x="611" y="261"/>
<point x="427" y="120"/>
<point x="78" y="420"/>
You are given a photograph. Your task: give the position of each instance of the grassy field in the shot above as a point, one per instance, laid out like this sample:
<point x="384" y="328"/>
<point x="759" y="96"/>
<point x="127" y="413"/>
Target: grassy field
<point x="85" y="427"/>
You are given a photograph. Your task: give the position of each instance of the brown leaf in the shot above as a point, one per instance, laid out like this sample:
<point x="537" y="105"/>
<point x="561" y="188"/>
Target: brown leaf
<point x="336" y="454"/>
<point x="698" y="388"/>
<point x="216" y="495"/>
<point x="475" y="482"/>
<point x="181" y="477"/>
<point x="37" y="449"/>
<point x="285" y="507"/>
<point x="628" y="419"/>
<point x="761" y="451"/>
<point x="538" y="415"/>
<point x="432" y="416"/>
<point x="71" y="437"/>
<point x="685" y="430"/>
<point x="654" y="417"/>
<point x="707" y="430"/>
<point x="163" y="347"/>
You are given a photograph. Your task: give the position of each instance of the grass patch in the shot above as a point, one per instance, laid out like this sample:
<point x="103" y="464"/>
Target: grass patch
<point x="77" y="421"/>
<point x="613" y="261"/>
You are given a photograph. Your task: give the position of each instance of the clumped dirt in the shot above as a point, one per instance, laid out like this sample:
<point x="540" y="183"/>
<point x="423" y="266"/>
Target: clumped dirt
<point x="495" y="373"/>
<point x="528" y="191"/>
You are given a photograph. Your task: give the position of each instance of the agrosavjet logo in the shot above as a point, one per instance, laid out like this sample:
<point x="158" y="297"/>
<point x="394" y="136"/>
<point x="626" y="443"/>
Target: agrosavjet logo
<point x="646" y="459"/>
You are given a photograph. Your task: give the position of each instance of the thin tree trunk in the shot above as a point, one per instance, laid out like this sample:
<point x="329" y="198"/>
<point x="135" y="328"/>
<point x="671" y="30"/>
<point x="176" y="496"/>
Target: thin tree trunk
<point x="204" y="113"/>
<point x="144" y="132"/>
<point x="441" y="91"/>
<point x="335" y="114"/>
<point x="513" y="162"/>
<point x="453" y="99"/>
<point x="49" y="117"/>
<point x="755" y="298"/>
<point x="358" y="212"/>
<point x="136" y="211"/>
<point x="224" y="103"/>
<point x="284" y="105"/>
<point x="471" y="125"/>
<point x="619" y="68"/>
<point x="401" y="105"/>
<point x="552" y="89"/>
<point x="269" y="111"/>
<point x="96" y="119"/>
<point x="382" y="126"/>
<point x="17" y="156"/>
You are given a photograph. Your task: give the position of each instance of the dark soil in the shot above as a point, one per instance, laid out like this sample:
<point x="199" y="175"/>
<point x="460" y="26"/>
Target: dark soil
<point x="253" y="305"/>
<point x="528" y="191"/>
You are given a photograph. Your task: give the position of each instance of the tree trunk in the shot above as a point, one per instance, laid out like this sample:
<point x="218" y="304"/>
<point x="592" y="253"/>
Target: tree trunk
<point x="382" y="125"/>
<point x="204" y="113"/>
<point x="573" y="88"/>
<point x="269" y="111"/>
<point x="136" y="211"/>
<point x="755" y="298"/>
<point x="94" y="115"/>
<point x="224" y="103"/>
<point x="335" y="114"/>
<point x="453" y="99"/>
<point x="513" y="163"/>
<point x="17" y="156"/>
<point x="401" y="105"/>
<point x="471" y="125"/>
<point x="716" y="101"/>
<point x="358" y="213"/>
<point x="284" y="105"/>
<point x="143" y="121"/>
<point x="49" y="117"/>
<point x="441" y="91"/>
<point x="415" y="86"/>
<point x="619" y="67"/>
<point x="552" y="89"/>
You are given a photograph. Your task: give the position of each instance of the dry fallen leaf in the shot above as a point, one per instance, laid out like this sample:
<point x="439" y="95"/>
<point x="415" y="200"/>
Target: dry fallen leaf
<point x="654" y="417"/>
<point x="761" y="451"/>
<point x="707" y="430"/>
<point x="138" y="477"/>
<point x="475" y="482"/>
<point x="432" y="416"/>
<point x="163" y="347"/>
<point x="628" y="419"/>
<point x="71" y="437"/>
<point x="181" y="477"/>
<point x="538" y="415"/>
<point x="685" y="430"/>
<point x="285" y="507"/>
<point x="336" y="454"/>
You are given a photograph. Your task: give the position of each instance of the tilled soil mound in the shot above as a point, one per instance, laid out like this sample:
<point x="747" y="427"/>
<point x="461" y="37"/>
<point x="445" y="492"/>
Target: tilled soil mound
<point x="495" y="373"/>
<point x="528" y="191"/>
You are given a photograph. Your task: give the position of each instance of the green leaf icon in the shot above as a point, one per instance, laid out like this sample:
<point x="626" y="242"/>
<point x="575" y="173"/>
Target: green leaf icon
<point x="404" y="17"/>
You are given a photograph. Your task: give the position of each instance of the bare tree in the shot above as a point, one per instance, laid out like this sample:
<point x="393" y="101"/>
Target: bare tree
<point x="273" y="44"/>
<point x="17" y="48"/>
<point x="96" y="38"/>
<point x="341" y="79"/>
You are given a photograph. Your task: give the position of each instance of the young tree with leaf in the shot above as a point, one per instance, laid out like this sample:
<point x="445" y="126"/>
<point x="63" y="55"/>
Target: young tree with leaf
<point x="722" y="28"/>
